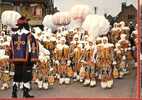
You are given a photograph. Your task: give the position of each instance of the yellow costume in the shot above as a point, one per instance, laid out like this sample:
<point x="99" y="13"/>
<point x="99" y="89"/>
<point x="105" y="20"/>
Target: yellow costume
<point x="104" y="60"/>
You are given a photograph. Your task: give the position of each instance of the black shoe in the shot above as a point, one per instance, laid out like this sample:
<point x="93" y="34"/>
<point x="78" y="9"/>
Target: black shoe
<point x="14" y="91"/>
<point x="26" y="93"/>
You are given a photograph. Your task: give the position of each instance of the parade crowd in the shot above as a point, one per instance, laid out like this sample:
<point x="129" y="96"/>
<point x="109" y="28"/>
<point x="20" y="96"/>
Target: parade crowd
<point x="74" y="46"/>
<point x="68" y="55"/>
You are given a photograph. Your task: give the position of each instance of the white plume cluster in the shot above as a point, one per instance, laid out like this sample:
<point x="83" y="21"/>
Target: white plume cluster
<point x="61" y="18"/>
<point x="80" y="16"/>
<point x="48" y="21"/>
<point x="96" y="25"/>
<point x="72" y="18"/>
<point x="79" y="12"/>
<point x="37" y="30"/>
<point x="10" y="18"/>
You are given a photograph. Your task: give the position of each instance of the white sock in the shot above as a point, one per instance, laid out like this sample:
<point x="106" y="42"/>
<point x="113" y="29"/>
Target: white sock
<point x="27" y="85"/>
<point x="15" y="83"/>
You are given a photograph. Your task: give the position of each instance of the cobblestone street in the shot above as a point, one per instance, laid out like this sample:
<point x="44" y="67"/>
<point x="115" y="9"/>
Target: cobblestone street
<point x="122" y="88"/>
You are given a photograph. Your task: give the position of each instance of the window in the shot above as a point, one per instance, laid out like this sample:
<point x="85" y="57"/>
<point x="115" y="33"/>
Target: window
<point x="36" y="10"/>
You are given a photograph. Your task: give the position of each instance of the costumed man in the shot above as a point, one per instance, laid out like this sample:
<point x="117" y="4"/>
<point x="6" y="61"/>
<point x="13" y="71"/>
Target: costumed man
<point x="46" y="35"/>
<point x="47" y="31"/>
<point x="24" y="52"/>
<point x="43" y="69"/>
<point x="62" y="61"/>
<point x="75" y="57"/>
<point x="43" y="66"/>
<point x="84" y="41"/>
<point x="98" y="44"/>
<point x="89" y="64"/>
<point x="125" y="29"/>
<point x="58" y="38"/>
<point x="76" y="61"/>
<point x="78" y="32"/>
<point x="4" y="65"/>
<point x="133" y="38"/>
<point x="126" y="48"/>
<point x="69" y="36"/>
<point x="49" y="43"/>
<point x="7" y="46"/>
<point x="119" y="59"/>
<point x="104" y="61"/>
<point x="115" y="33"/>
<point x="82" y="45"/>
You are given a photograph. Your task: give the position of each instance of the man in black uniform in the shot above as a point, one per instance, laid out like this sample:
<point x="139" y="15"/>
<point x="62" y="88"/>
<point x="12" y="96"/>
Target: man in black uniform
<point x="23" y="53"/>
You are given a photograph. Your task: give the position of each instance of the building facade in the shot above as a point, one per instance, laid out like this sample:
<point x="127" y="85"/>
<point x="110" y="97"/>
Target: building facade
<point x="127" y="14"/>
<point x="35" y="10"/>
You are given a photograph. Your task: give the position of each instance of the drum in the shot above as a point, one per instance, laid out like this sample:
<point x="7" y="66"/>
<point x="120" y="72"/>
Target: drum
<point x="3" y="63"/>
<point x="5" y="77"/>
<point x="51" y="80"/>
<point x="69" y="72"/>
<point x="115" y="73"/>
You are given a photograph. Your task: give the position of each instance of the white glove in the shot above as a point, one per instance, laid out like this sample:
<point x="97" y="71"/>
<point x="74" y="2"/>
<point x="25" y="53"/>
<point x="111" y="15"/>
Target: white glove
<point x="51" y="69"/>
<point x="68" y="62"/>
<point x="124" y="57"/>
<point x="114" y="63"/>
<point x="133" y="48"/>
<point x="83" y="61"/>
<point x="57" y="62"/>
<point x="34" y="67"/>
<point x="47" y="57"/>
<point x="126" y="49"/>
<point x="129" y="48"/>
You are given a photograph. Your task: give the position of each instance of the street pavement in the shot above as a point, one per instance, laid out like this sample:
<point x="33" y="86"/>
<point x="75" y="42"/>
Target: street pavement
<point x="123" y="88"/>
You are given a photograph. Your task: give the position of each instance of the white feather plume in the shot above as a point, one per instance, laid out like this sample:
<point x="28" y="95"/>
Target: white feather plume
<point x="48" y="22"/>
<point x="10" y="18"/>
<point x="78" y="14"/>
<point x="96" y="25"/>
<point x="61" y="18"/>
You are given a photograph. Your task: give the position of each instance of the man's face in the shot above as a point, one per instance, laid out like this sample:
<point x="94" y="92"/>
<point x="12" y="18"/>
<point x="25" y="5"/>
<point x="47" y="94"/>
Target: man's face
<point x="58" y="37"/>
<point x="62" y="41"/>
<point x="104" y="41"/>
